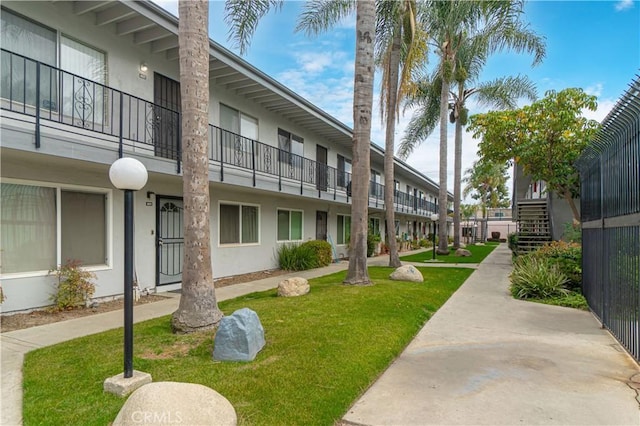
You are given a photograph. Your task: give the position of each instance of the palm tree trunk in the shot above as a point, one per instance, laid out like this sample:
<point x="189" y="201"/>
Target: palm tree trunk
<point x="443" y="246"/>
<point x="389" y="186"/>
<point x="457" y="183"/>
<point x="362" y="106"/>
<point x="198" y="309"/>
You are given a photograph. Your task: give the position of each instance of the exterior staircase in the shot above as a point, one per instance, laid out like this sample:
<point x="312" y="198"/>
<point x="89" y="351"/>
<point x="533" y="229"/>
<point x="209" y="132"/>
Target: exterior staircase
<point x="534" y="226"/>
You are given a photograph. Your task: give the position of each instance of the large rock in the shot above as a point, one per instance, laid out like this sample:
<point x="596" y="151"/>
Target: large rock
<point x="176" y="403"/>
<point x="407" y="273"/>
<point x="240" y="337"/>
<point x="292" y="287"/>
<point x="463" y="252"/>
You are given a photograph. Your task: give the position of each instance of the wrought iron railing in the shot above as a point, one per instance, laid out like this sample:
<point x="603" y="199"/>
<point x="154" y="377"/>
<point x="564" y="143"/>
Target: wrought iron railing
<point x="48" y="93"/>
<point x="610" y="209"/>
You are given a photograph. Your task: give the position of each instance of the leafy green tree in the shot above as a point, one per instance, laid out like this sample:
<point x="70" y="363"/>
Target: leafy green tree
<point x="501" y="29"/>
<point x="544" y="138"/>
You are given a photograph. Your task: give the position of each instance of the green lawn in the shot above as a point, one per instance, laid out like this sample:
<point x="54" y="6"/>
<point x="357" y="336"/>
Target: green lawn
<point x="478" y="253"/>
<point x="323" y="350"/>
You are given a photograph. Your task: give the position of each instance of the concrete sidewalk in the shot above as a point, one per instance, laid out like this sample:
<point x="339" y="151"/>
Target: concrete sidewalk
<point x="487" y="359"/>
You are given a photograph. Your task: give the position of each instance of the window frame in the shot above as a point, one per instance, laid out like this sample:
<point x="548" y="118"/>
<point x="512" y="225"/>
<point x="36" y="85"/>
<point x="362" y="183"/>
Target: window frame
<point x="344" y="234"/>
<point x="289" y="210"/>
<point x="344" y="175"/>
<point x="108" y="193"/>
<point x="240" y="204"/>
<point x="374" y="225"/>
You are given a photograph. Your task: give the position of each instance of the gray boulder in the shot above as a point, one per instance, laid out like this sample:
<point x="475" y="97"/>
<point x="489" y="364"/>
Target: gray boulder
<point x="240" y="337"/>
<point x="463" y="252"/>
<point x="292" y="287"/>
<point x="176" y="403"/>
<point x="407" y="273"/>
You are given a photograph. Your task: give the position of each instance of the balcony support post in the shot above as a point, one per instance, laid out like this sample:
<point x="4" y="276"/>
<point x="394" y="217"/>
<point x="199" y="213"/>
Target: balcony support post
<point x="253" y="160"/>
<point x="121" y="127"/>
<point x="37" y="133"/>
<point x="221" y="139"/>
<point x="179" y="145"/>
<point x="279" y="170"/>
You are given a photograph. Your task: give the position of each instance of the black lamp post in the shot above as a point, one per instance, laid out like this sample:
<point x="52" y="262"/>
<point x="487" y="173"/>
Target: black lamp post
<point x="434" y="219"/>
<point x="129" y="175"/>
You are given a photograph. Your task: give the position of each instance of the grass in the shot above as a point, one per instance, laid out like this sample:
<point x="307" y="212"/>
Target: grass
<point x="323" y="350"/>
<point x="478" y="253"/>
<point x="571" y="300"/>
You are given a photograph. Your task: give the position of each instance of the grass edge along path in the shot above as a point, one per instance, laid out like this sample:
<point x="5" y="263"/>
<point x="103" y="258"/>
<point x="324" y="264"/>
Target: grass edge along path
<point x="323" y="351"/>
<point x="478" y="254"/>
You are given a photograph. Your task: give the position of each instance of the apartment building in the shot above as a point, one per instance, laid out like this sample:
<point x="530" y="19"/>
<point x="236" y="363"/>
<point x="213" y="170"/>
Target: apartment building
<point x="84" y="83"/>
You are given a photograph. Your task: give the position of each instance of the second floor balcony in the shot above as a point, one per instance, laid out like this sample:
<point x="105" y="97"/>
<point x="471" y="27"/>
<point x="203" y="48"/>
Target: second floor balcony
<point x="55" y="99"/>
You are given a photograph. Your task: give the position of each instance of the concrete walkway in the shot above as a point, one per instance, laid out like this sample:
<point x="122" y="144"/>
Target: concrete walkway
<point x="487" y="359"/>
<point x="483" y="358"/>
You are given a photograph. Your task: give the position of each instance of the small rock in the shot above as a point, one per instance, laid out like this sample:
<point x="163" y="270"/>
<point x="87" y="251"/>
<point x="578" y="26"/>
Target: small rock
<point x="240" y="337"/>
<point x="479" y="244"/>
<point x="407" y="273"/>
<point x="292" y="287"/>
<point x="463" y="252"/>
<point x="176" y="403"/>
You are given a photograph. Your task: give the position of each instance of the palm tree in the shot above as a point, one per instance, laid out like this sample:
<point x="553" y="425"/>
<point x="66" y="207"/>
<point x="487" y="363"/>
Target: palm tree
<point x="362" y="106"/>
<point x="198" y="309"/>
<point x="401" y="48"/>
<point x="487" y="182"/>
<point x="464" y="42"/>
<point x="318" y="16"/>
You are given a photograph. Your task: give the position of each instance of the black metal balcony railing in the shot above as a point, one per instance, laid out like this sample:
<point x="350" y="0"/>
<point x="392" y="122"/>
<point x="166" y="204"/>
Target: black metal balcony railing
<point x="48" y="93"/>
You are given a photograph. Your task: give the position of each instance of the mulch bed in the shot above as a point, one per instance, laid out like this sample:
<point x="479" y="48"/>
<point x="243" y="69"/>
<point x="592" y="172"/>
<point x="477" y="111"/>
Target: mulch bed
<point x="11" y="322"/>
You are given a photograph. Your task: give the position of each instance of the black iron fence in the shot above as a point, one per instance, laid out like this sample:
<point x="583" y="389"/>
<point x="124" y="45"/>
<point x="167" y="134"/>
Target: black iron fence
<point x="610" y="208"/>
<point x="52" y="95"/>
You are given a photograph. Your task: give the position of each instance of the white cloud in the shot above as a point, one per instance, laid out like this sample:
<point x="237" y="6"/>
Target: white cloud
<point x="624" y="5"/>
<point x="595" y="90"/>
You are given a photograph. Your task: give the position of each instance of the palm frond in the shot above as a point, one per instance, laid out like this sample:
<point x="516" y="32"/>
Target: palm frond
<point x="318" y="16"/>
<point x="504" y="92"/>
<point x="242" y="17"/>
<point x="421" y="125"/>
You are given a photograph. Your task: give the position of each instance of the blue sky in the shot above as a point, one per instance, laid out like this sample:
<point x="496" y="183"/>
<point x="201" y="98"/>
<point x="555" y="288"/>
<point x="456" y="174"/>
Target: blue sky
<point x="594" y="45"/>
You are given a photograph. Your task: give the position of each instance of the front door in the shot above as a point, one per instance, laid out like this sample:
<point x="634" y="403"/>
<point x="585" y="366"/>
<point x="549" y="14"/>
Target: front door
<point x="321" y="225"/>
<point x="169" y="240"/>
<point x="166" y="97"/>
<point x="321" y="170"/>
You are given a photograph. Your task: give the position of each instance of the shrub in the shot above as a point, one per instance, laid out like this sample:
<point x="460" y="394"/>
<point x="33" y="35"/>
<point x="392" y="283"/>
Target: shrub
<point x="322" y="251"/>
<point x="534" y="278"/>
<point x="424" y="243"/>
<point x="74" y="285"/>
<point x="372" y="241"/>
<point x="513" y="241"/>
<point x="567" y="257"/>
<point x="572" y="232"/>
<point x="294" y="257"/>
